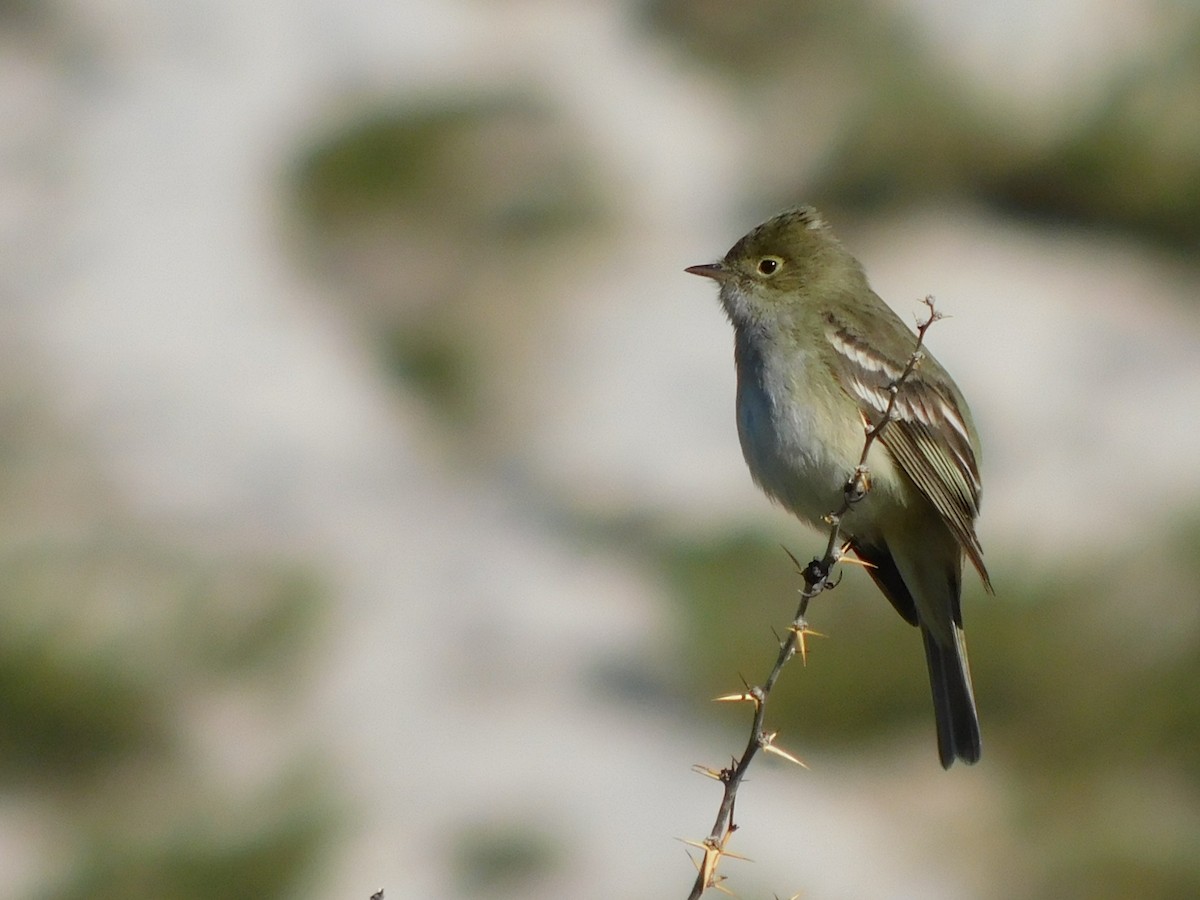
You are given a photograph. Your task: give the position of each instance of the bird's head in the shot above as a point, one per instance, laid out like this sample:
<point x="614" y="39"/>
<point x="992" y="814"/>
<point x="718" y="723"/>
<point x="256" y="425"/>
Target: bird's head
<point x="770" y="272"/>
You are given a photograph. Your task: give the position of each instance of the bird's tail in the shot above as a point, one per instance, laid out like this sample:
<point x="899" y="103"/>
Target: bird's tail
<point x="953" y="699"/>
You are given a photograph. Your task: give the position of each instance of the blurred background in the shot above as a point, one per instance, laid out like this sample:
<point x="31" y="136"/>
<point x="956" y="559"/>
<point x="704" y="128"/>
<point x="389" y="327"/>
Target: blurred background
<point x="371" y="510"/>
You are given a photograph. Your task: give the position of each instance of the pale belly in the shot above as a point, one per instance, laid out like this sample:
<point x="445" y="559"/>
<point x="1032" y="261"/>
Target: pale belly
<point x="800" y="465"/>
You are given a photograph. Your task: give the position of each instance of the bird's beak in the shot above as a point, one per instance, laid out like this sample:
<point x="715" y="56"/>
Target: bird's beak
<point x="715" y="271"/>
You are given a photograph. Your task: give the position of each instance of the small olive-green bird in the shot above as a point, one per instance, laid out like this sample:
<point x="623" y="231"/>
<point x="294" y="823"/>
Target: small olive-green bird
<point x="816" y="352"/>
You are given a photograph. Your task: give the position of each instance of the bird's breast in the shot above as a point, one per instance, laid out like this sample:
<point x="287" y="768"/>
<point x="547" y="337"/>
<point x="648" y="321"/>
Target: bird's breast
<point x="797" y="441"/>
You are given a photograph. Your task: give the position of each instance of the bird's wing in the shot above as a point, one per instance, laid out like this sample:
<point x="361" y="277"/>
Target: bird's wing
<point x="929" y="434"/>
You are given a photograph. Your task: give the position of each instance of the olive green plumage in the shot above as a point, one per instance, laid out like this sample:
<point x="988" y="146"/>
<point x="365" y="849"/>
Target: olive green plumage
<point x="816" y="351"/>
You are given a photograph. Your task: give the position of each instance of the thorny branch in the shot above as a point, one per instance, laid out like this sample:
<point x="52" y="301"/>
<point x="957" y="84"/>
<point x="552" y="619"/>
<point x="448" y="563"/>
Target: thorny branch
<point x="817" y="579"/>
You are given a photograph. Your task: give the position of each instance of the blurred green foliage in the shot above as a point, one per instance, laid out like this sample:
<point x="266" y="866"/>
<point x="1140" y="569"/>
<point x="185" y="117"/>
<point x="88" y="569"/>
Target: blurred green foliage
<point x="490" y="165"/>
<point x="436" y="218"/>
<point x="734" y="590"/>
<point x="754" y="40"/>
<point x="440" y="366"/>
<point x="105" y="647"/>
<point x="890" y="122"/>
<point x="189" y="862"/>
<point x="504" y="858"/>
<point x="65" y="717"/>
<point x="120" y="653"/>
<point x="909" y="128"/>
<point x="1133" y="164"/>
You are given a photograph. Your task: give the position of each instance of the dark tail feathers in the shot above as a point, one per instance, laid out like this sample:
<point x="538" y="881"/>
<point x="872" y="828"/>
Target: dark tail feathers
<point x="953" y="700"/>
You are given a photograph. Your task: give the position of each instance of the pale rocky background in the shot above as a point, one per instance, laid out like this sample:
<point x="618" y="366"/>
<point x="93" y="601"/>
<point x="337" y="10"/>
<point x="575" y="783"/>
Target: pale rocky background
<point x="343" y="526"/>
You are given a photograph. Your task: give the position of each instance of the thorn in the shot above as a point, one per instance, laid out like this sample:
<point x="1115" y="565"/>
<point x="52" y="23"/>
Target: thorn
<point x="746" y="697"/>
<point x="708" y="867"/>
<point x="750" y="695"/>
<point x="789" y="757"/>
<point x="714" y="851"/>
<point x="767" y="742"/>
<point x="736" y="856"/>
<point x="802" y="633"/>
<point x="714" y="774"/>
<point x="717" y="886"/>
<point x="855" y="561"/>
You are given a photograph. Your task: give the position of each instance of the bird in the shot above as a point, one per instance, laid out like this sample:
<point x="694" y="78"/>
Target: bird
<point x="817" y="354"/>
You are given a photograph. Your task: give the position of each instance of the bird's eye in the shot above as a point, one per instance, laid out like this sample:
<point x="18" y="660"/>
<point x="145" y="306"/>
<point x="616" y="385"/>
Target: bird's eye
<point x="769" y="265"/>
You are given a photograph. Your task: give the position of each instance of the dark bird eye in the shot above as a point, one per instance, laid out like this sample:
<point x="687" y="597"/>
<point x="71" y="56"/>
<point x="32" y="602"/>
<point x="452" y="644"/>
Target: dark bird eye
<point x="768" y="265"/>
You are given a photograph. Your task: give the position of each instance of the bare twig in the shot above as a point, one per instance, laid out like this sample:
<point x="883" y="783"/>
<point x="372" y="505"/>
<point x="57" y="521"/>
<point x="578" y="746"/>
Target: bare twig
<point x="817" y="579"/>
